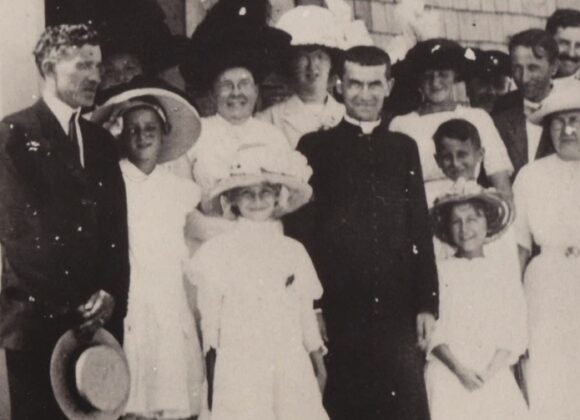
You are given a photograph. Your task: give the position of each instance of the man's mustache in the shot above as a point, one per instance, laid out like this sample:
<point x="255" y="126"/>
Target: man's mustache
<point x="566" y="57"/>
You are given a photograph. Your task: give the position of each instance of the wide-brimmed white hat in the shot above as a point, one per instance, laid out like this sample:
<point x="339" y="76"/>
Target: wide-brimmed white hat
<point x="497" y="211"/>
<point x="565" y="96"/>
<point x="312" y="25"/>
<point x="90" y="376"/>
<point x="179" y="116"/>
<point x="257" y="164"/>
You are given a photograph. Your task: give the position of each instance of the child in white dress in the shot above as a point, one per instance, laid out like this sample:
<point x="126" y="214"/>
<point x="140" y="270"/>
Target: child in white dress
<point x="256" y="292"/>
<point x="481" y="329"/>
<point x="161" y="341"/>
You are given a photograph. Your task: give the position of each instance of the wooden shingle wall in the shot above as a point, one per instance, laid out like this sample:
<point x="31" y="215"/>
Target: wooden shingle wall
<point x="482" y="23"/>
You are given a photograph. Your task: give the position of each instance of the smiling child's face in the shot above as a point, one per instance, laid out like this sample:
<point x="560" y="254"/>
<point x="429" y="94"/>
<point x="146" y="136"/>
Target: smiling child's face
<point x="143" y="133"/>
<point x="256" y="202"/>
<point x="468" y="229"/>
<point x="458" y="159"/>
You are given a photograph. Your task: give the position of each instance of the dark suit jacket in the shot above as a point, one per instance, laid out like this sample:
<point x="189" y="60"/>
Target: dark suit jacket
<point x="63" y="228"/>
<point x="510" y="120"/>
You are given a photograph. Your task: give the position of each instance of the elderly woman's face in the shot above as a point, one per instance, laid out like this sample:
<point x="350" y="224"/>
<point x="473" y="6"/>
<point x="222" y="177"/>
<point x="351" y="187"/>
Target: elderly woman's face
<point x="312" y="67"/>
<point x="437" y="85"/>
<point x="235" y="93"/>
<point x="143" y="134"/>
<point x="565" y="133"/>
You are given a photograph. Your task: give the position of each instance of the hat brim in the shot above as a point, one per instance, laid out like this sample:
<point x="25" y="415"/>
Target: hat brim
<point x="565" y="97"/>
<point x="299" y="192"/>
<point x="500" y="214"/>
<point x="183" y="119"/>
<point x="68" y="347"/>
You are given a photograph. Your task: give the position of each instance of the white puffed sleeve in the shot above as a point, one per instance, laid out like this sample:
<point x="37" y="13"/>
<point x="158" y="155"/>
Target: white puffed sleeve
<point x="521" y="223"/>
<point x="309" y="289"/>
<point x="210" y="293"/>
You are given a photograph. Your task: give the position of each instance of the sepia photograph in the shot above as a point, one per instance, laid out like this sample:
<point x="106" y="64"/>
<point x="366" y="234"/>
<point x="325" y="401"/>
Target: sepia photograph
<point x="290" y="210"/>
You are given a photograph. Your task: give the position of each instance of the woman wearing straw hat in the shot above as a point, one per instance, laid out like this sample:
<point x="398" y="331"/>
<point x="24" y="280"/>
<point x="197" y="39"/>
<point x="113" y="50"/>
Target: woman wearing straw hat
<point x="161" y="339"/>
<point x="481" y="329"/>
<point x="547" y="198"/>
<point x="256" y="293"/>
<point x="433" y="67"/>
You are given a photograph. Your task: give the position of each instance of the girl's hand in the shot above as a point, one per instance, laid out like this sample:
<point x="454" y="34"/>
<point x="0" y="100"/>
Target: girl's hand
<point x="469" y="379"/>
<point x="317" y="358"/>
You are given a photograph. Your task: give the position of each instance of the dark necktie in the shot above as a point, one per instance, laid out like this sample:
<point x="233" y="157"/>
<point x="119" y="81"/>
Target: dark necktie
<point x="73" y="137"/>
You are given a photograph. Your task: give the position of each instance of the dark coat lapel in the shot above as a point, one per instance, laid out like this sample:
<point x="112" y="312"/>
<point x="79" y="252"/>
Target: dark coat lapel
<point x="58" y="142"/>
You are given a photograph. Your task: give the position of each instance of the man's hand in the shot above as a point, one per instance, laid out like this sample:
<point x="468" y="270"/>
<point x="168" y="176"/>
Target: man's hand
<point x="425" y="327"/>
<point x="96" y="311"/>
<point x="317" y="358"/>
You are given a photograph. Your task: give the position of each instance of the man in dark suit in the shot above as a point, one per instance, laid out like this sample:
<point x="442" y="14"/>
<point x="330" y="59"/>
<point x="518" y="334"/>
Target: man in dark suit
<point x="533" y="56"/>
<point x="368" y="233"/>
<point x="63" y="221"/>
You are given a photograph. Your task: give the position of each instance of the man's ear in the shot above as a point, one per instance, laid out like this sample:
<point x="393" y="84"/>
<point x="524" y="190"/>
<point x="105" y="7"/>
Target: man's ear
<point x="389" y="86"/>
<point x="339" y="86"/>
<point x="47" y="68"/>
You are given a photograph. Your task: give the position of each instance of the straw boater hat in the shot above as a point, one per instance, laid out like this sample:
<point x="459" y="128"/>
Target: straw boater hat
<point x="497" y="210"/>
<point x="90" y="377"/>
<point x="565" y="96"/>
<point x="180" y="118"/>
<point x="256" y="164"/>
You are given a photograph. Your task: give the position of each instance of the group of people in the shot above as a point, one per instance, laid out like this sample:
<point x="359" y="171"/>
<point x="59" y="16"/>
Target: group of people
<point x="367" y="247"/>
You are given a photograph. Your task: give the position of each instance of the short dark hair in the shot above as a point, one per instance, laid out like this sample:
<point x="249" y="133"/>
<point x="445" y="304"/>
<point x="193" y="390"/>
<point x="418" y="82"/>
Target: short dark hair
<point x="563" y="18"/>
<point x="55" y="41"/>
<point x="457" y="129"/>
<point x="541" y="42"/>
<point x="366" y="55"/>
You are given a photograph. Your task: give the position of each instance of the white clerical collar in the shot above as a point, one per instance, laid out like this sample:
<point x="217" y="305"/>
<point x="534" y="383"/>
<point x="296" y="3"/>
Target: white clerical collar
<point x="61" y="110"/>
<point x="367" y="127"/>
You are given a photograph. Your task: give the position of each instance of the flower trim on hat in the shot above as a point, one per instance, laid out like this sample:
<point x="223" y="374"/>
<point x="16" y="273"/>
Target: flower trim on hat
<point x="114" y="124"/>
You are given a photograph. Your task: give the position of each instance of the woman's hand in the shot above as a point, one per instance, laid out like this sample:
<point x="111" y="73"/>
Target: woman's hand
<point x="317" y="358"/>
<point x="470" y="379"/>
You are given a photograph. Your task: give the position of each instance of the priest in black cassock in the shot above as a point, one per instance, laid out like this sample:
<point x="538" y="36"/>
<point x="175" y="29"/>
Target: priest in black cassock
<point x="368" y="233"/>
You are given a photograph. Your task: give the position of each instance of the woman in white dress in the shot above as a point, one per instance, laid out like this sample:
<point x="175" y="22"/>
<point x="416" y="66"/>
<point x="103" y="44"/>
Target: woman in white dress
<point x="547" y="196"/>
<point x="256" y="293"/>
<point x="481" y="330"/>
<point x="433" y="67"/>
<point x="161" y="341"/>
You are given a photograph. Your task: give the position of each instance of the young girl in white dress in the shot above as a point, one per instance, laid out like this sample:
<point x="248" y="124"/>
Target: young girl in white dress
<point x="256" y="293"/>
<point x="481" y="329"/>
<point x="161" y="341"/>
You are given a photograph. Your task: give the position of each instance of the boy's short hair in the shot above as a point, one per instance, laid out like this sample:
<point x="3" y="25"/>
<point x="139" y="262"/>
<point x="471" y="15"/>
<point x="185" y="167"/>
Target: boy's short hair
<point x="56" y="41"/>
<point x="366" y="55"/>
<point x="457" y="129"/>
<point x="541" y="43"/>
<point x="563" y="18"/>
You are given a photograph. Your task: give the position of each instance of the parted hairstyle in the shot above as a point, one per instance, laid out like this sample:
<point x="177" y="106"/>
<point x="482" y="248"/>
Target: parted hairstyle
<point x="366" y="55"/>
<point x="457" y="129"/>
<point x="563" y="18"/>
<point x="541" y="42"/>
<point x="56" y="41"/>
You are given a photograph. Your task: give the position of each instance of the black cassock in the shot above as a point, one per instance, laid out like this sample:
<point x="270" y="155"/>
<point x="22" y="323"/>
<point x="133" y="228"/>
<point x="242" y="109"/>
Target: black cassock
<point x="367" y="231"/>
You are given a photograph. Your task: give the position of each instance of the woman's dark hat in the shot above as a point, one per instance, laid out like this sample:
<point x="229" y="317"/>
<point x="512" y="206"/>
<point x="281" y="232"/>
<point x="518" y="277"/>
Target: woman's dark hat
<point x="487" y="63"/>
<point x="238" y="40"/>
<point x="433" y="54"/>
<point x="90" y="376"/>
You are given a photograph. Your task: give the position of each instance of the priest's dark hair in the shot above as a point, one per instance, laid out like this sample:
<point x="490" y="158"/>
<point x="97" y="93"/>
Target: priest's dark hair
<point x="563" y="18"/>
<point x="366" y="55"/>
<point x="541" y="43"/>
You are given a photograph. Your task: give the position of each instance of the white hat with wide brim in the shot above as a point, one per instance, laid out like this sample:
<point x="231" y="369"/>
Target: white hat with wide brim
<point x="565" y="96"/>
<point x="183" y="118"/>
<point x="312" y="25"/>
<point x="90" y="376"/>
<point x="257" y="164"/>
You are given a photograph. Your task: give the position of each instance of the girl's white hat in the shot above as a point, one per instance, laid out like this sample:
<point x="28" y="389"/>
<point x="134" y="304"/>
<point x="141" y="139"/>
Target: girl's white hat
<point x="497" y="211"/>
<point x="565" y="96"/>
<point x="257" y="164"/>
<point x="178" y="115"/>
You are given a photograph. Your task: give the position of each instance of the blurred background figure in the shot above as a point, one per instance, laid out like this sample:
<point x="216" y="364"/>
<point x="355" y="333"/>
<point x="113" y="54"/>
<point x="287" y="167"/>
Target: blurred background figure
<point x="564" y="25"/>
<point x="487" y="78"/>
